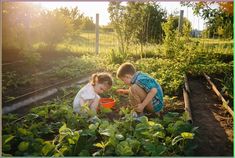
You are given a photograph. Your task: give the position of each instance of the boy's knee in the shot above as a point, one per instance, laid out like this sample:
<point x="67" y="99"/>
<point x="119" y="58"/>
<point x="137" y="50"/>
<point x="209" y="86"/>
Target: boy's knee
<point x="134" y="89"/>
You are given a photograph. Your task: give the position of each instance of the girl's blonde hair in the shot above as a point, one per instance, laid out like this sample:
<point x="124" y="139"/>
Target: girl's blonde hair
<point x="102" y="78"/>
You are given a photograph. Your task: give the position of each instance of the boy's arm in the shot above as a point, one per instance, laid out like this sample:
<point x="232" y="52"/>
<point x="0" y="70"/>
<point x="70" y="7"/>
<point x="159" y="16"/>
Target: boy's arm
<point x="147" y="100"/>
<point x="122" y="91"/>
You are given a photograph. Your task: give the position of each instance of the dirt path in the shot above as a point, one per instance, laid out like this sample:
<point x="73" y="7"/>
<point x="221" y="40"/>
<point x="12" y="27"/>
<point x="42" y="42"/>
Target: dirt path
<point x="215" y="135"/>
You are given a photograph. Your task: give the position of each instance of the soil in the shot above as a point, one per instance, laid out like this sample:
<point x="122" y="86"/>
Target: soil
<point x="215" y="133"/>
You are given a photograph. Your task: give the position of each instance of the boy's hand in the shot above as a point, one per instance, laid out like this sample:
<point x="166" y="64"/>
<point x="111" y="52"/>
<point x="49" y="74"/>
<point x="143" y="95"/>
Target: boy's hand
<point x="139" y="108"/>
<point x="122" y="91"/>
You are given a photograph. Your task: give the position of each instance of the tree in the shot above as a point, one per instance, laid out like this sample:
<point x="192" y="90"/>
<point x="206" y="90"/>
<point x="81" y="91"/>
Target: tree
<point x="147" y="18"/>
<point x="187" y="26"/>
<point x="174" y="41"/>
<point x="218" y="15"/>
<point x="87" y="24"/>
<point x="170" y="36"/>
<point x="117" y="13"/>
<point x="54" y="27"/>
<point x="19" y="24"/>
<point x="137" y="22"/>
<point x="78" y="19"/>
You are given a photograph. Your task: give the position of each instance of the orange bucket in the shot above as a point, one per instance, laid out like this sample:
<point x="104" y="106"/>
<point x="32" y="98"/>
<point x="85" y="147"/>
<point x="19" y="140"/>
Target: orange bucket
<point x="107" y="102"/>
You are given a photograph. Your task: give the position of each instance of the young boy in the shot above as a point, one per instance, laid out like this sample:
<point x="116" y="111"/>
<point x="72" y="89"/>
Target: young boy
<point x="144" y="91"/>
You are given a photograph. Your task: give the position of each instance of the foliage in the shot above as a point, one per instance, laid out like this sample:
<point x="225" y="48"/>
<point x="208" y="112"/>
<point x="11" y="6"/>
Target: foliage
<point x="78" y="19"/>
<point x="146" y="19"/>
<point x="54" y="130"/>
<point x="18" y="25"/>
<point x="31" y="56"/>
<point x="170" y="35"/>
<point x="116" y="57"/>
<point x="227" y="7"/>
<point x="12" y="80"/>
<point x="117" y="12"/>
<point x="25" y="24"/>
<point x="137" y="23"/>
<point x="77" y="66"/>
<point x="227" y="85"/>
<point x="219" y="19"/>
<point x="55" y="26"/>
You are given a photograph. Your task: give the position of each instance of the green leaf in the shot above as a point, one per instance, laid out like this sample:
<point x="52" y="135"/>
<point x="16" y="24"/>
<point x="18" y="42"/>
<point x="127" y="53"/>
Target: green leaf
<point x="71" y="141"/>
<point x="6" y="148"/>
<point x="93" y="127"/>
<point x="150" y="147"/>
<point x="151" y="123"/>
<point x="47" y="148"/>
<point x="158" y="127"/>
<point x="84" y="153"/>
<point x="187" y="135"/>
<point x="176" y="139"/>
<point x="107" y="130"/>
<point x="98" y="153"/>
<point x="99" y="145"/>
<point x="76" y="136"/>
<point x="62" y="128"/>
<point x="147" y="134"/>
<point x="134" y="144"/>
<point x="105" y="110"/>
<point x="194" y="129"/>
<point x="64" y="149"/>
<point x="23" y="146"/>
<point x="185" y="116"/>
<point x="23" y="132"/>
<point x="119" y="136"/>
<point x="141" y="126"/>
<point x="106" y="133"/>
<point x="7" y="138"/>
<point x="123" y="149"/>
<point x="168" y="140"/>
<point x="144" y="119"/>
<point x="160" y="149"/>
<point x="159" y="134"/>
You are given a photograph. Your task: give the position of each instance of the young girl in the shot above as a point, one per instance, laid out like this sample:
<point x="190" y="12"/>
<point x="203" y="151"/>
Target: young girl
<point x="89" y="94"/>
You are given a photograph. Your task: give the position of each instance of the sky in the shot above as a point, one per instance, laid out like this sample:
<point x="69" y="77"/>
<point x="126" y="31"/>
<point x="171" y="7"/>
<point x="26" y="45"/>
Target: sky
<point x="91" y="8"/>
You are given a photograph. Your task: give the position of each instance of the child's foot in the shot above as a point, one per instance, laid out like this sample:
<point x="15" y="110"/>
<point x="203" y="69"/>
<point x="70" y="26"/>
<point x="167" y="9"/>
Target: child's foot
<point x="159" y="114"/>
<point x="137" y="116"/>
<point x="94" y="119"/>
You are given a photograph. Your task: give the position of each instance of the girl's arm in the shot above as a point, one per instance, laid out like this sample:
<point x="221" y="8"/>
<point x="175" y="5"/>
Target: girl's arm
<point x="87" y="102"/>
<point x="94" y="104"/>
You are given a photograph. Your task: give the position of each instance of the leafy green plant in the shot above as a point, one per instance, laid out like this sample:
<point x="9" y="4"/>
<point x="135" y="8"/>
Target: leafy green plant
<point x="227" y="83"/>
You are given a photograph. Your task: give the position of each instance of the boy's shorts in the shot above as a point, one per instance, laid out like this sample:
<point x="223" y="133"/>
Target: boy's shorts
<point x="158" y="107"/>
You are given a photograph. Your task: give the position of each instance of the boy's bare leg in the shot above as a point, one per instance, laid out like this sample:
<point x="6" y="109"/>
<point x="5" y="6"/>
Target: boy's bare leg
<point x="137" y="96"/>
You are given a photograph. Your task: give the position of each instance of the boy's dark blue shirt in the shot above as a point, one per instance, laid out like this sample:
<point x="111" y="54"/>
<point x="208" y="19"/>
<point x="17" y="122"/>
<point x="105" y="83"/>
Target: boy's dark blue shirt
<point x="147" y="83"/>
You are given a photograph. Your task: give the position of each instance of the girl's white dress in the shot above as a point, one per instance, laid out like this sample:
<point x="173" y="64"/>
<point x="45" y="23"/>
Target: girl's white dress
<point x="88" y="95"/>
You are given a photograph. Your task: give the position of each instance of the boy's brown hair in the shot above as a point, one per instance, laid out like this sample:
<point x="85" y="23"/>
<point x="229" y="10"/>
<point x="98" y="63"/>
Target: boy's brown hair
<point x="126" y="69"/>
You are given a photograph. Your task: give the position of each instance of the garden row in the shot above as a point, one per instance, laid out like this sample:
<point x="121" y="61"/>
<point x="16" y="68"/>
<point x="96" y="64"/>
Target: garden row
<point x="54" y="130"/>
